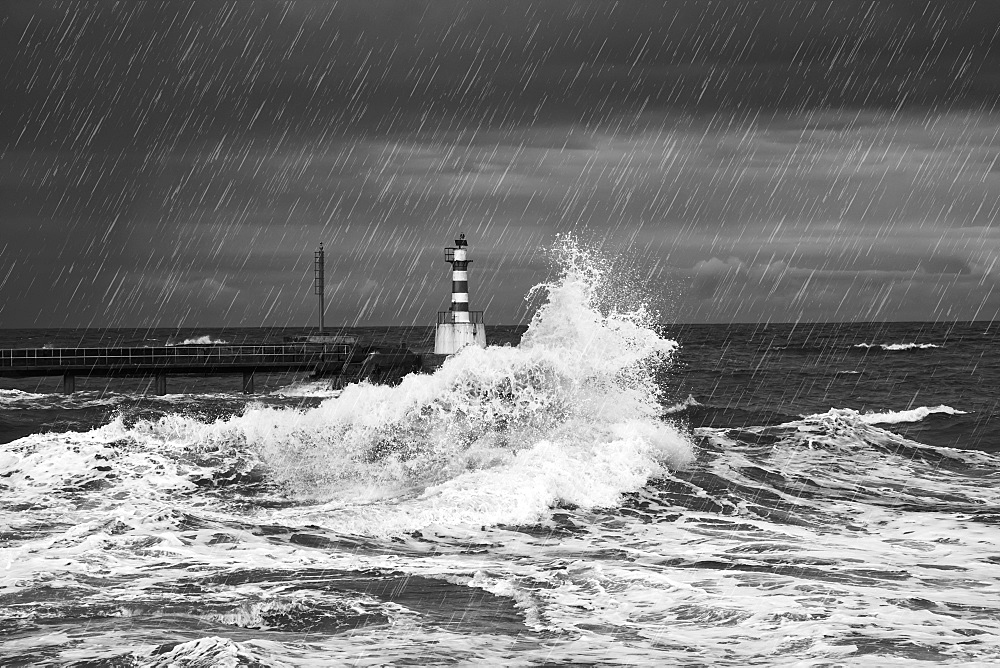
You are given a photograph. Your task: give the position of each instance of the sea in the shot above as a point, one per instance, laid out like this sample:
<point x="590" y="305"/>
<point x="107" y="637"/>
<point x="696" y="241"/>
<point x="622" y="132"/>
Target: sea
<point x="594" y="488"/>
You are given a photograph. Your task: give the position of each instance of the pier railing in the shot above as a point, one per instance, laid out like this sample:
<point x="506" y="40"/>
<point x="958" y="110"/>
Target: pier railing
<point x="448" y="317"/>
<point x="180" y="356"/>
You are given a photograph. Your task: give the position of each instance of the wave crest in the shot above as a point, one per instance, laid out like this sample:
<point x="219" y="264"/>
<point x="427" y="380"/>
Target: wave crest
<point x="912" y="415"/>
<point x="896" y="347"/>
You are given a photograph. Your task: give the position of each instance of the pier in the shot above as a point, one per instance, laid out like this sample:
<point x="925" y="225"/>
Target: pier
<point x="343" y="362"/>
<point x="340" y="358"/>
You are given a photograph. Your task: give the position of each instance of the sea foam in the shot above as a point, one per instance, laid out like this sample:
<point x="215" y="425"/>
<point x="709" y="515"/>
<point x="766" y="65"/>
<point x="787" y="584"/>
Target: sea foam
<point x="311" y="389"/>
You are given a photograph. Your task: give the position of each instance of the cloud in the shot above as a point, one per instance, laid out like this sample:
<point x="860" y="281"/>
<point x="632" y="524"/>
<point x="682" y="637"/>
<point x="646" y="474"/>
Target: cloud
<point x="775" y="158"/>
<point x="753" y="211"/>
<point x="712" y="273"/>
<point x="213" y="69"/>
<point x="732" y="289"/>
<point x="945" y="265"/>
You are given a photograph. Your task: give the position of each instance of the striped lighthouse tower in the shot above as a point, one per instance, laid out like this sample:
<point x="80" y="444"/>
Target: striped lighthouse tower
<point x="459" y="327"/>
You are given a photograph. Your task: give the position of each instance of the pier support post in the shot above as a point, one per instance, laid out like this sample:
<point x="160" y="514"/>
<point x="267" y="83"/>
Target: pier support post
<point x="69" y="383"/>
<point x="160" y="384"/>
<point x="248" y="382"/>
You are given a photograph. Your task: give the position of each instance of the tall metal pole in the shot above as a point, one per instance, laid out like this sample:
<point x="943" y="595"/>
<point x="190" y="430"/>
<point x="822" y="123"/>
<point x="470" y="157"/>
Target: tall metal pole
<point x="319" y="272"/>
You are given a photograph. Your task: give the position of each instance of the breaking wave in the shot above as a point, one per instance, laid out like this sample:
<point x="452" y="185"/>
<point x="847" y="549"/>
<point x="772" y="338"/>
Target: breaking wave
<point x="894" y="347"/>
<point x="912" y="415"/>
<point x="681" y="406"/>
<point x="210" y="651"/>
<point x="500" y="434"/>
<point x="19" y="395"/>
<point x="204" y="340"/>
<point x="841" y="455"/>
<point x="32" y="400"/>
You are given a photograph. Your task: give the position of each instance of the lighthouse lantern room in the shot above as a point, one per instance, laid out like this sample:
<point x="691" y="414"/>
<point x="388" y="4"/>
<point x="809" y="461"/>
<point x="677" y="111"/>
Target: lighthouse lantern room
<point x="459" y="327"/>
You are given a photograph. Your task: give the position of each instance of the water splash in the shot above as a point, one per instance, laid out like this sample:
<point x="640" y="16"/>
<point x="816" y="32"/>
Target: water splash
<point x="569" y="416"/>
<point x="502" y="434"/>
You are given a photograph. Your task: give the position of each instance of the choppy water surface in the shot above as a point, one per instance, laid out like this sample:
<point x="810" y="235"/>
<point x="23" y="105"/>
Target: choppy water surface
<point x="591" y="494"/>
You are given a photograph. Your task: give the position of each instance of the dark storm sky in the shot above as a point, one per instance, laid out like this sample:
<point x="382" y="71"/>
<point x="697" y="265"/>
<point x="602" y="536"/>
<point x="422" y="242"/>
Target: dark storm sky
<point x="176" y="163"/>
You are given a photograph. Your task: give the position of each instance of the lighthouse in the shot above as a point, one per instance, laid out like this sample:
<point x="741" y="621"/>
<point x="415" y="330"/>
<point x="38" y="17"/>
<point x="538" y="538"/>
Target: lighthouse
<point x="459" y="327"/>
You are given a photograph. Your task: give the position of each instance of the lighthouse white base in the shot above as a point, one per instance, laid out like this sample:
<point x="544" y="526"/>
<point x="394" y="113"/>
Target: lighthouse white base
<point x="452" y="337"/>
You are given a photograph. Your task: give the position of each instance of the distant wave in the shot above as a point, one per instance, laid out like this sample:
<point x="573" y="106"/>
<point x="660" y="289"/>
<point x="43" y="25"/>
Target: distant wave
<point x="897" y="346"/>
<point x="690" y="402"/>
<point x="913" y="415"/>
<point x="205" y="340"/>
